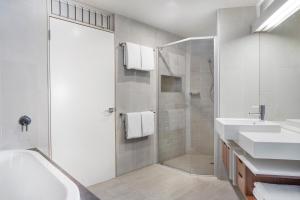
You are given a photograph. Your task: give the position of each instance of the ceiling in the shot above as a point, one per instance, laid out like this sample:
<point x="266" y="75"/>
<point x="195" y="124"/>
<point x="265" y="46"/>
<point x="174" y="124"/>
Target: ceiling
<point x="183" y="17"/>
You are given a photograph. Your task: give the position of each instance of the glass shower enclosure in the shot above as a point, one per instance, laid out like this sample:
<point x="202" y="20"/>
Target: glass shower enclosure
<point x="186" y="105"/>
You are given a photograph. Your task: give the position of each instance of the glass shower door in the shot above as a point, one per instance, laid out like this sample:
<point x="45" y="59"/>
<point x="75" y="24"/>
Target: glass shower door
<point x="185" y="128"/>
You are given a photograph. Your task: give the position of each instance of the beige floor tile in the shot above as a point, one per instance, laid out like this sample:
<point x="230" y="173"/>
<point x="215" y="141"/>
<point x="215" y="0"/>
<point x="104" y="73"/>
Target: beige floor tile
<point x="158" y="182"/>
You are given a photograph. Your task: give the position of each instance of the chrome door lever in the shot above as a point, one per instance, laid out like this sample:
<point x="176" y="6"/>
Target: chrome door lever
<point x="111" y="110"/>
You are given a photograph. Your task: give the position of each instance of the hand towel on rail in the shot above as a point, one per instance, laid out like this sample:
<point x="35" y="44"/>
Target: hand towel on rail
<point x="133" y="56"/>
<point x="133" y="125"/>
<point x="147" y="123"/>
<point x="148" y="61"/>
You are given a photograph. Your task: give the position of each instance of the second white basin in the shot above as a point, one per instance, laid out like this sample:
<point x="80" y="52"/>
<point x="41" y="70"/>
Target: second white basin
<point x="229" y="128"/>
<point x="283" y="145"/>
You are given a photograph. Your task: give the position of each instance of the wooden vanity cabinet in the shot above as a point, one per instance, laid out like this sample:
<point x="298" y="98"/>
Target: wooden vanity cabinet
<point x="244" y="178"/>
<point x="225" y="155"/>
<point x="241" y="175"/>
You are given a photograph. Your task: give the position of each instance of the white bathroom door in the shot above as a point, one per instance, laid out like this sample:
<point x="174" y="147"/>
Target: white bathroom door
<point x="82" y="75"/>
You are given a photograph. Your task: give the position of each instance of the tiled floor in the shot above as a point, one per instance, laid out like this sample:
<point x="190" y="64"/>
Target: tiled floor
<point x="159" y="182"/>
<point x="193" y="163"/>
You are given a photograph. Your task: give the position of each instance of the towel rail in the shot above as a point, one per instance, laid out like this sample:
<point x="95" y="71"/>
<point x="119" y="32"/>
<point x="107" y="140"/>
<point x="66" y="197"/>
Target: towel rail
<point x="122" y="114"/>
<point x="125" y="132"/>
<point x="123" y="44"/>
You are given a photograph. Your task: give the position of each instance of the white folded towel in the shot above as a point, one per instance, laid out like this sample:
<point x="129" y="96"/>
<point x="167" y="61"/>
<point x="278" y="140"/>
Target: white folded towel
<point x="147" y="123"/>
<point x="133" y="56"/>
<point x="266" y="191"/>
<point x="133" y="125"/>
<point x="148" y="61"/>
<point x="256" y="194"/>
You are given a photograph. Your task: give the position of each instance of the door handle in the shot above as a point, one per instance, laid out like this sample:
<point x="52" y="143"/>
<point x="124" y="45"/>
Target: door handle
<point x="111" y="110"/>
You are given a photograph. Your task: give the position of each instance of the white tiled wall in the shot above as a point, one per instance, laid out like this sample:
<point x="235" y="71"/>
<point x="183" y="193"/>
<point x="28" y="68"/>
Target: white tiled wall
<point x="135" y="92"/>
<point x="23" y="73"/>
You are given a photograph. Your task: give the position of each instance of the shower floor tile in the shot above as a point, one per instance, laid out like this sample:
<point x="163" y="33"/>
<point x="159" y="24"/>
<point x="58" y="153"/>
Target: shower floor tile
<point x="193" y="163"/>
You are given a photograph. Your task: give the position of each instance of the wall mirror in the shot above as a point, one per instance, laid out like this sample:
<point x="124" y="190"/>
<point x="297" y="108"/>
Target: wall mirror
<point x="279" y="62"/>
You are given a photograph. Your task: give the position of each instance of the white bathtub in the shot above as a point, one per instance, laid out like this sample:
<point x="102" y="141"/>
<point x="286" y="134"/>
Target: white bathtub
<point x="27" y="175"/>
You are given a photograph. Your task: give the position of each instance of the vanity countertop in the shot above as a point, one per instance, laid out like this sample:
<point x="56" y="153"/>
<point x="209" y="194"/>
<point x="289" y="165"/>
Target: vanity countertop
<point x="85" y="194"/>
<point x="281" y="168"/>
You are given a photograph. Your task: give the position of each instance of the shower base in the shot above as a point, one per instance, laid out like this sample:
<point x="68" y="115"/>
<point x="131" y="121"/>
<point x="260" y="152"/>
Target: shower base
<point x="193" y="163"/>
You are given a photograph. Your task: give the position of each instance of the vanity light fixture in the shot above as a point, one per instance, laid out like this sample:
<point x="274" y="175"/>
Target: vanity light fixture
<point x="276" y="14"/>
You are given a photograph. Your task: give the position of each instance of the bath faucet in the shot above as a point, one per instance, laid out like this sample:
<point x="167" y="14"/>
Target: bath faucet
<point x="261" y="113"/>
<point x="25" y="121"/>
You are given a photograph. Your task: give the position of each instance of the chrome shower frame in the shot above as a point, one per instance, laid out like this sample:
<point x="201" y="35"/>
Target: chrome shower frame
<point x="217" y="158"/>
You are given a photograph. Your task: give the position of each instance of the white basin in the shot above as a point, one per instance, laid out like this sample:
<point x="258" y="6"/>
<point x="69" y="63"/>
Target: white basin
<point x="293" y="122"/>
<point x="292" y="125"/>
<point x="271" y="145"/>
<point x="229" y="128"/>
<point x="28" y="175"/>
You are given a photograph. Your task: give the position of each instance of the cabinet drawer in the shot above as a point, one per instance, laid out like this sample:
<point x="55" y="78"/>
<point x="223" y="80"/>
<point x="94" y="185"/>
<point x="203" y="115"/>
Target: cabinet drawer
<point x="225" y="155"/>
<point x="241" y="168"/>
<point x="241" y="182"/>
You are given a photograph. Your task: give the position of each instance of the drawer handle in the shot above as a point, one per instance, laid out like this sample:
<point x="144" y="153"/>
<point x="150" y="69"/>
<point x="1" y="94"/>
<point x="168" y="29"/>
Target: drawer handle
<point x="240" y="175"/>
<point x="240" y="161"/>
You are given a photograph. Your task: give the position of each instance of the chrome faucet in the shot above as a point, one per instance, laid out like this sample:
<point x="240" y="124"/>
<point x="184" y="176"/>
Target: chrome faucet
<point x="261" y="113"/>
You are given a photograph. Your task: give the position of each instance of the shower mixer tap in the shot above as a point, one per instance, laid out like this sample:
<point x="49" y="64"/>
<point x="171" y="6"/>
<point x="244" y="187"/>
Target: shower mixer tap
<point x="25" y="121"/>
